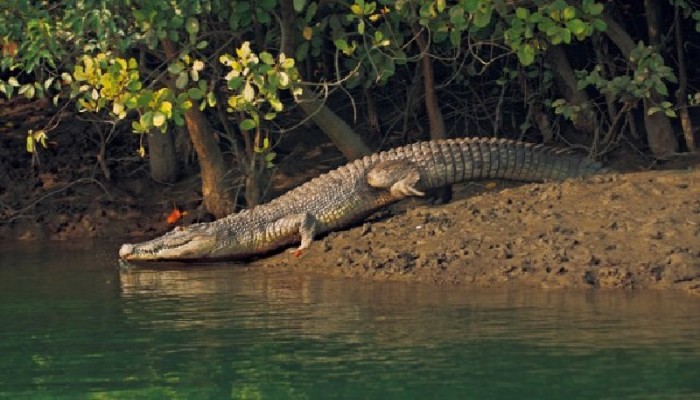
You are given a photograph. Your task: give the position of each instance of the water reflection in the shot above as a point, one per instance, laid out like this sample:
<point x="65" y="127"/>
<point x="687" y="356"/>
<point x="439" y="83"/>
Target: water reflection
<point x="291" y="335"/>
<point x="401" y="314"/>
<point x="74" y="325"/>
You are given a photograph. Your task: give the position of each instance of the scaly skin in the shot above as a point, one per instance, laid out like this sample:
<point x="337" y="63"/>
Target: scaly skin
<point x="356" y="190"/>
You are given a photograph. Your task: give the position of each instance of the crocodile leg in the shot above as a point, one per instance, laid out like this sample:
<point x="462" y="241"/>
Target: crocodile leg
<point x="398" y="176"/>
<point x="302" y="224"/>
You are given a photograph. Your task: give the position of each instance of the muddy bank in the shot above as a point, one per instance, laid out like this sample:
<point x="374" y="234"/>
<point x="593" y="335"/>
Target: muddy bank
<point x="637" y="230"/>
<point x="633" y="230"/>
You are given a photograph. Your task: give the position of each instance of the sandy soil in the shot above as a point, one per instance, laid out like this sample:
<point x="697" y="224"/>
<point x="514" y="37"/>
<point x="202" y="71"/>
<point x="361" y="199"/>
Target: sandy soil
<point x="637" y="230"/>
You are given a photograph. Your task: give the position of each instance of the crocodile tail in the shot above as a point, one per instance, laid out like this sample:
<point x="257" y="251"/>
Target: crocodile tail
<point x="444" y="162"/>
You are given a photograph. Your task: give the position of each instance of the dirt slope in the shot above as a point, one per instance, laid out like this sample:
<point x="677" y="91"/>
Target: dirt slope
<point x="638" y="230"/>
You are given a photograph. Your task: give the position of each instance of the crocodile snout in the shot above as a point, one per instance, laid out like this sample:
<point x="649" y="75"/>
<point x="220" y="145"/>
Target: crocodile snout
<point x="126" y="250"/>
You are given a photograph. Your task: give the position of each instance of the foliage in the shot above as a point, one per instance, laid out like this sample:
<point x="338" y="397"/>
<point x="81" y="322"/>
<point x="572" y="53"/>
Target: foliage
<point x="41" y="41"/>
<point x="688" y="11"/>
<point x="553" y="23"/>
<point x="647" y="75"/>
<point x="256" y="81"/>
<point x="71" y="52"/>
<point x="151" y="61"/>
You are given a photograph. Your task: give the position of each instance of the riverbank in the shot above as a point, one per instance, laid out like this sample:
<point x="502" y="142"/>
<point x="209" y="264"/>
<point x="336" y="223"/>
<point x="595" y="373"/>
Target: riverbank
<point x="630" y="230"/>
<point x="636" y="230"/>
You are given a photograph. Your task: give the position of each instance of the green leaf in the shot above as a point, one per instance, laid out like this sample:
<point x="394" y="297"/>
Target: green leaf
<point x="356" y="9"/>
<point x="482" y="17"/>
<point x="341" y="44"/>
<point x="30" y="142"/>
<point x="158" y="119"/>
<point x="235" y="83"/>
<point x="211" y="99"/>
<point x="182" y="80"/>
<point x="131" y="103"/>
<point x="522" y="13"/>
<point x="600" y="25"/>
<point x="176" y="22"/>
<point x="576" y="26"/>
<point x="299" y="5"/>
<point x="455" y="38"/>
<point x="146" y="119"/>
<point x="276" y="104"/>
<point x="28" y="91"/>
<point x="174" y="35"/>
<point x="144" y="98"/>
<point x="202" y="85"/>
<point x="287" y="63"/>
<point x="302" y="51"/>
<point x="137" y="127"/>
<point x="661" y="89"/>
<point x="118" y="109"/>
<point x="247" y="124"/>
<point x="566" y="36"/>
<point x="166" y="108"/>
<point x="441" y="4"/>
<point x="569" y="13"/>
<point x="536" y="17"/>
<point x="48" y="83"/>
<point x="266" y="58"/>
<point x="192" y="25"/>
<point x="176" y="67"/>
<point x="134" y="86"/>
<point x="556" y="39"/>
<point x="595" y="9"/>
<point x="457" y="18"/>
<point x="311" y="11"/>
<point x="248" y="92"/>
<point x="526" y="54"/>
<point x="470" y="5"/>
<point x="195" y="93"/>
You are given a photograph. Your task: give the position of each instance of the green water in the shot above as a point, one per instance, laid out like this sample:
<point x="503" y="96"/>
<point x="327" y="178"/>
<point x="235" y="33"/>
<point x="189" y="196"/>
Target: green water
<point x="75" y="326"/>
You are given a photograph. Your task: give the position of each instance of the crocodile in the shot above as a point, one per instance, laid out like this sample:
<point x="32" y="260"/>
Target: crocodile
<point x="354" y="191"/>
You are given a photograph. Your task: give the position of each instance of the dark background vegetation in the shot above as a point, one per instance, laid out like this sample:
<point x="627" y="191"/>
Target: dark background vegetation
<point x="145" y="105"/>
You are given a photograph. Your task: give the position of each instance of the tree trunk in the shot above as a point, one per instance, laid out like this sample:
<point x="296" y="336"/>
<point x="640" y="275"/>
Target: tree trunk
<point x="536" y="110"/>
<point x="660" y="135"/>
<point x="682" y="91"/>
<point x="340" y="133"/>
<point x="161" y="157"/>
<point x="664" y="138"/>
<point x="566" y="82"/>
<point x="432" y="106"/>
<point x="217" y="199"/>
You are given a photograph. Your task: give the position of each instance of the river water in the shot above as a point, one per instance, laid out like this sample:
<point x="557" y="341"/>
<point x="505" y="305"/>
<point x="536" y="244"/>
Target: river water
<point x="74" y="325"/>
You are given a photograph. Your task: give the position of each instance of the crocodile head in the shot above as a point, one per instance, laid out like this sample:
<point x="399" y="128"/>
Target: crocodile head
<point x="182" y="243"/>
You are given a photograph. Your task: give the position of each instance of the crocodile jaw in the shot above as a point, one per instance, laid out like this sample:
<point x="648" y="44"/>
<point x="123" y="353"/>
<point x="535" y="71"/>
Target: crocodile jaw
<point x="178" y="244"/>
